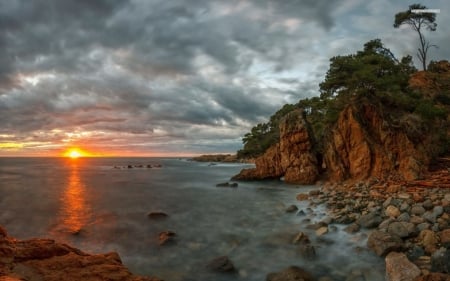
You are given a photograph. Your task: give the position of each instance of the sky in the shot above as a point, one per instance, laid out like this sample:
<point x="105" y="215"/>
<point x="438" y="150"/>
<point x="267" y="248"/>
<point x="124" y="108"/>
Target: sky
<point x="178" y="77"/>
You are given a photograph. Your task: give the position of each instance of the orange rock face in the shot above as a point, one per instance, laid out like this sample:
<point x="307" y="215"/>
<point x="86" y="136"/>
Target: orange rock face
<point x="292" y="157"/>
<point x="44" y="259"/>
<point x="364" y="145"/>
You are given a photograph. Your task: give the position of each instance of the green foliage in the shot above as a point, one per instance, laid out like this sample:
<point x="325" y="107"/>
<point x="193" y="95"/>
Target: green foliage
<point x="263" y="135"/>
<point x="373" y="74"/>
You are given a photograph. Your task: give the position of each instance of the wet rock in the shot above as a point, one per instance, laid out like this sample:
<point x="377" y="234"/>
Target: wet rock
<point x="429" y="240"/>
<point x="292" y="273"/>
<point x="424" y="263"/>
<point x="314" y="192"/>
<point x="302" y="197"/>
<point x="428" y="204"/>
<point x="291" y="209"/>
<point x="438" y="210"/>
<point x="429" y="216"/>
<point x="433" y="277"/>
<point x="221" y="264"/>
<point x="166" y="237"/>
<point x="344" y="219"/>
<point x="307" y="251"/>
<point x="392" y="211"/>
<point x="405" y="217"/>
<point x="399" y="268"/>
<point x="3" y="232"/>
<point x="440" y="261"/>
<point x="371" y="220"/>
<point x="401" y="229"/>
<point x="301" y="238"/>
<point x="417" y="209"/>
<point x="382" y="243"/>
<point x="157" y="215"/>
<point x="415" y="252"/>
<point x="423" y="226"/>
<point x="353" y="228"/>
<point x="322" y="231"/>
<point x="416" y="220"/>
<point x="227" y="184"/>
<point x="445" y="238"/>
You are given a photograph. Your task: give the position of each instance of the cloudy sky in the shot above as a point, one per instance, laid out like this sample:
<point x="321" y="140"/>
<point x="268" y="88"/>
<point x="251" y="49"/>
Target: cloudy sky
<point x="178" y="77"/>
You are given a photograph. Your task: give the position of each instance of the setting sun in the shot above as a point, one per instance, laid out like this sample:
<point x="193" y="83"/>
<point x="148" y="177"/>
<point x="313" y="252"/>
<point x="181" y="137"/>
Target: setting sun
<point x="75" y="153"/>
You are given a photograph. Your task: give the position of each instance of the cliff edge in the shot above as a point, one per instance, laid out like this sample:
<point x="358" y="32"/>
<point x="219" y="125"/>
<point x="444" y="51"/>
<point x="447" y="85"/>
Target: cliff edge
<point x="293" y="157"/>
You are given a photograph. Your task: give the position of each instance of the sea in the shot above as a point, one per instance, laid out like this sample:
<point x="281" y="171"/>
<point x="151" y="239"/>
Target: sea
<point x="101" y="205"/>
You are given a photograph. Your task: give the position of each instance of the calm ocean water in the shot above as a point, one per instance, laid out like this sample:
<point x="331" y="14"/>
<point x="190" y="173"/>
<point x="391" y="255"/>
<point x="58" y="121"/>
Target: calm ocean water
<point x="108" y="207"/>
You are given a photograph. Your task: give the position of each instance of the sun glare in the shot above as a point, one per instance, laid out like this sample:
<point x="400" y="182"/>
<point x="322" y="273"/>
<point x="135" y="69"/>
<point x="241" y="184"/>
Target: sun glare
<point x="74" y="153"/>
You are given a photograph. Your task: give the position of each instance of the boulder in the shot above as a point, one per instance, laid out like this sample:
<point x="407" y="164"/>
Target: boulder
<point x="370" y="220"/>
<point x="292" y="273"/>
<point x="440" y="261"/>
<point x="399" y="268"/>
<point x="429" y="240"/>
<point x="221" y="264"/>
<point x="401" y="229"/>
<point x="445" y="238"/>
<point x="392" y="211"/>
<point x="382" y="243"/>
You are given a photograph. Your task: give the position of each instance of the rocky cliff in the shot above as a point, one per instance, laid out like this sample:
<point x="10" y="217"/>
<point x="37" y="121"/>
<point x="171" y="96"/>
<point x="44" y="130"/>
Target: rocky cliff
<point x="44" y="259"/>
<point x="363" y="144"/>
<point x="292" y="157"/>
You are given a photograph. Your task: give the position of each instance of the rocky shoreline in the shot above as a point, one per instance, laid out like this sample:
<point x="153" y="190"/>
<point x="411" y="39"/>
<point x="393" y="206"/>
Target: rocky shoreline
<point x="407" y="223"/>
<point x="44" y="259"/>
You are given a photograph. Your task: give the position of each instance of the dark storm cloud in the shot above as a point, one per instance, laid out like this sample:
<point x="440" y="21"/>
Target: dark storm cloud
<point x="166" y="73"/>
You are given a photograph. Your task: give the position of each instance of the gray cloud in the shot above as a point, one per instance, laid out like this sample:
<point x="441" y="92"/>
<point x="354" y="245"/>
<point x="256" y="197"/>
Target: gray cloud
<point x="160" y="75"/>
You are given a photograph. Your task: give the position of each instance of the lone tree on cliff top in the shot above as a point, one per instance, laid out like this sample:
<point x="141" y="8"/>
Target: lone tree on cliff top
<point x="418" y="20"/>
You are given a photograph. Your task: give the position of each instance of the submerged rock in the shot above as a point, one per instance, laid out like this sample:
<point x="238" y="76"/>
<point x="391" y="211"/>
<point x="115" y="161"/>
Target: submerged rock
<point x="166" y="237"/>
<point x="221" y="264"/>
<point x="291" y="209"/>
<point x="292" y="273"/>
<point x="227" y="184"/>
<point x="157" y="215"/>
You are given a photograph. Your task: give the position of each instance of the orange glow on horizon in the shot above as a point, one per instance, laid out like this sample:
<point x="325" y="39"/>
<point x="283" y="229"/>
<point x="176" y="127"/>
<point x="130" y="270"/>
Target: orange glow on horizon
<point x="75" y="153"/>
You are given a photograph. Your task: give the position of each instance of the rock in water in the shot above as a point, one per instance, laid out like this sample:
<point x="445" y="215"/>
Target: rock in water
<point x="292" y="273"/>
<point x="157" y="215"/>
<point x="221" y="264"/>
<point x="291" y="209"/>
<point x="166" y="237"/>
<point x="382" y="243"/>
<point x="399" y="268"/>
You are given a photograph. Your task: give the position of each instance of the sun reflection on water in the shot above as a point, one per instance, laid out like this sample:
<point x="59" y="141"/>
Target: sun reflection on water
<point x="75" y="212"/>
